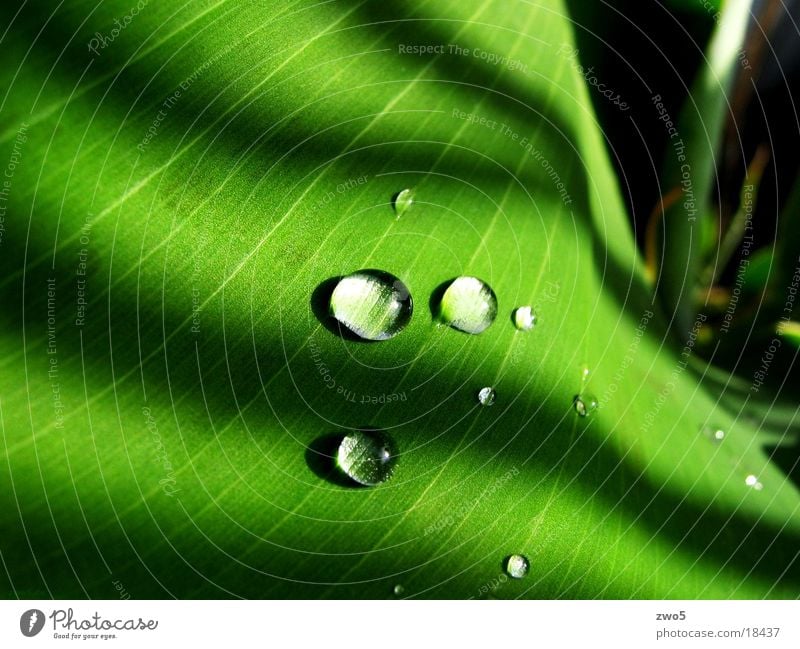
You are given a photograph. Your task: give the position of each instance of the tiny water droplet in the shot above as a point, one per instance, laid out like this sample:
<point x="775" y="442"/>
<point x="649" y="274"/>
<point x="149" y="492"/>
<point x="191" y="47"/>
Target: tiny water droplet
<point x="524" y="318"/>
<point x="715" y="435"/>
<point x="517" y="566"/>
<point x="586" y="373"/>
<point x="402" y="201"/>
<point x="486" y="396"/>
<point x="373" y="304"/>
<point x="399" y="590"/>
<point x="468" y="304"/>
<point x="367" y="456"/>
<point x="585" y="404"/>
<point x="752" y="481"/>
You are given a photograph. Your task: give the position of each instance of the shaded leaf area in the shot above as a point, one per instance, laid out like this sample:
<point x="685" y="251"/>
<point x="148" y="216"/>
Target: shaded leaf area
<point x="201" y="391"/>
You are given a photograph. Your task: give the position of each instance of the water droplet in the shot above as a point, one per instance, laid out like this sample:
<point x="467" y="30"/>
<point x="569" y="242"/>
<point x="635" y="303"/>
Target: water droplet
<point x="586" y="373"/>
<point x="486" y="396"/>
<point x="524" y="318"/>
<point x="367" y="456"/>
<point x="402" y="201"/>
<point x="715" y="435"/>
<point x="585" y="404"/>
<point x="752" y="481"/>
<point x="468" y="304"/>
<point x="517" y="566"/>
<point x="373" y="304"/>
<point x="399" y="590"/>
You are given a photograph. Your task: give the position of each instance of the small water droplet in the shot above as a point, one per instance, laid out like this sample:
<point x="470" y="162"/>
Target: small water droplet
<point x="486" y="396"/>
<point x="367" y="456"/>
<point x="585" y="404"/>
<point x="373" y="304"/>
<point x="524" y="318"/>
<point x="402" y="201"/>
<point x="468" y="304"/>
<point x="752" y="481"/>
<point x="715" y="435"/>
<point x="586" y="373"/>
<point x="517" y="566"/>
<point x="399" y="590"/>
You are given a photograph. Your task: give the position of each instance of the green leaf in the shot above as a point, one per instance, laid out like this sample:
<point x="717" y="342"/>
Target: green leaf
<point x="171" y="391"/>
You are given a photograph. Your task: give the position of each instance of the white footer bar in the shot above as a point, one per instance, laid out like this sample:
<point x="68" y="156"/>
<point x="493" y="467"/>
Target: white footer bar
<point x="400" y="624"/>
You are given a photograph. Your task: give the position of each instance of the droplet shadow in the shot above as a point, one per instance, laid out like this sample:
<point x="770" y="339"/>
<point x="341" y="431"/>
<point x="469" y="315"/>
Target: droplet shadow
<point x="320" y="306"/>
<point x="320" y="457"/>
<point x="435" y="300"/>
<point x="395" y="196"/>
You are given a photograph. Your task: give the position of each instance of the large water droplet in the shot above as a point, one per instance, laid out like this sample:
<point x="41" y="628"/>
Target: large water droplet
<point x="402" y="201"/>
<point x="399" y="590"/>
<point x="373" y="304"/>
<point x="517" y="566"/>
<point x="585" y="404"/>
<point x="524" y="318"/>
<point x="468" y="304"/>
<point x="486" y="396"/>
<point x="367" y="456"/>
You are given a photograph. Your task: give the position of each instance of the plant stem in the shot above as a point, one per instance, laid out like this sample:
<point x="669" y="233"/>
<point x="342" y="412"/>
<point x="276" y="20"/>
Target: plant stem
<point x="700" y="128"/>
